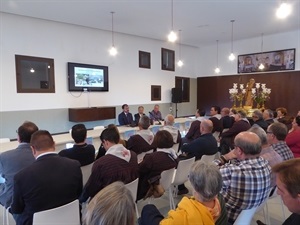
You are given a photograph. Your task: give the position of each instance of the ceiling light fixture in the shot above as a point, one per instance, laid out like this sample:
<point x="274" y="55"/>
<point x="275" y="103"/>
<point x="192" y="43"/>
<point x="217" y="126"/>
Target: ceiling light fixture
<point x="261" y="66"/>
<point x="172" y="37"/>
<point x="232" y="56"/>
<point x="180" y="63"/>
<point x="217" y="70"/>
<point x="112" y="51"/>
<point x="284" y="10"/>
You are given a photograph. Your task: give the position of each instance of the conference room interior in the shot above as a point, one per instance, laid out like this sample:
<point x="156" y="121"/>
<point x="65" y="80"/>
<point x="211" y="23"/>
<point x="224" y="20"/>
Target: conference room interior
<point x="128" y="82"/>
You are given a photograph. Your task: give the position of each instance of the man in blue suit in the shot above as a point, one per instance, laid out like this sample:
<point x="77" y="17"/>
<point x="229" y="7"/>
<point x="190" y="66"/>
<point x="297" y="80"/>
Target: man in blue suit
<point x="13" y="161"/>
<point x="125" y="117"/>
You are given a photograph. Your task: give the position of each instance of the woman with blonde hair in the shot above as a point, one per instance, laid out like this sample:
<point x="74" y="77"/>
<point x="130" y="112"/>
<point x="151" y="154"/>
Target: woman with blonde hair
<point x="111" y="206"/>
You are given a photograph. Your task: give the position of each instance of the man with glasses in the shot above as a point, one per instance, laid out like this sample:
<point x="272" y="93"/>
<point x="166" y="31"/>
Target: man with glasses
<point x="257" y="117"/>
<point x="246" y="175"/>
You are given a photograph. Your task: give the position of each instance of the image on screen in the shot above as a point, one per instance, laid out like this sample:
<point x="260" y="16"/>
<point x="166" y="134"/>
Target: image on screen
<point x="88" y="77"/>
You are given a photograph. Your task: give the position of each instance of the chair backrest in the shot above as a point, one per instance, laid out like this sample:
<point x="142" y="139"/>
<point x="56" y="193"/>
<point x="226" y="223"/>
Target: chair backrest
<point x="86" y="172"/>
<point x="66" y="214"/>
<point x="166" y="178"/>
<point x="176" y="147"/>
<point x="142" y="155"/>
<point x="154" y="129"/>
<point x="4" y="140"/>
<point x="98" y="127"/>
<point x="208" y="158"/>
<point x="132" y="187"/>
<point x="182" y="172"/>
<point x="245" y="217"/>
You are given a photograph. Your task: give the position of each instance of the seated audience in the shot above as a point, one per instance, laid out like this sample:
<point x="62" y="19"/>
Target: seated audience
<point x="216" y="119"/>
<point x="206" y="206"/>
<point x="267" y="151"/>
<point x="13" y="161"/>
<point x="226" y="120"/>
<point x="125" y="117"/>
<point x="169" y="126"/>
<point x="111" y="206"/>
<point x="194" y="131"/>
<point x="268" y="116"/>
<point x="142" y="140"/>
<point x="81" y="151"/>
<point x="155" y="114"/>
<point x="276" y="134"/>
<point x="138" y="115"/>
<point x="257" y="117"/>
<point x="51" y="181"/>
<point x="282" y="117"/>
<point x="246" y="175"/>
<point x="293" y="138"/>
<point x="241" y="124"/>
<point x="153" y="164"/>
<point x="232" y="112"/>
<point x="118" y="164"/>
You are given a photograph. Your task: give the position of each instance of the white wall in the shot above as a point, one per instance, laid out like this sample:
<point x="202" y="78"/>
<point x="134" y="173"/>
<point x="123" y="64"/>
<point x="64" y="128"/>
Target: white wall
<point x="69" y="43"/>
<point x="208" y="56"/>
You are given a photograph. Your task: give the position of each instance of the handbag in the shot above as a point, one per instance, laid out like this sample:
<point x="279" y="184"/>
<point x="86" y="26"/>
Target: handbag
<point x="155" y="190"/>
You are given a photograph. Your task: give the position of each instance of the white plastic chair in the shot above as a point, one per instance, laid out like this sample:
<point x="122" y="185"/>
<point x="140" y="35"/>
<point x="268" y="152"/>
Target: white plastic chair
<point x="4" y="140"/>
<point x="245" y="216"/>
<point x="142" y="155"/>
<point x="86" y="172"/>
<point x="176" y="147"/>
<point x="66" y="214"/>
<point x="98" y="127"/>
<point x="180" y="177"/>
<point x="208" y="158"/>
<point x="127" y="134"/>
<point x="154" y="129"/>
<point x="132" y="187"/>
<point x="5" y="215"/>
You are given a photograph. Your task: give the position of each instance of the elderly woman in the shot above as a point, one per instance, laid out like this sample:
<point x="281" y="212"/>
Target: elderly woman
<point x="206" y="207"/>
<point x="112" y="205"/>
<point x="293" y="138"/>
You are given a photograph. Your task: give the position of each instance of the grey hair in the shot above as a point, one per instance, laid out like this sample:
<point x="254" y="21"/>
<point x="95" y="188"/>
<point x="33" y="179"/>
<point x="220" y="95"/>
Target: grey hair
<point x="144" y="122"/>
<point x="168" y="121"/>
<point x="256" y="129"/>
<point x="206" y="179"/>
<point x="112" y="205"/>
<point x="242" y="113"/>
<point x="270" y="112"/>
<point x="258" y="113"/>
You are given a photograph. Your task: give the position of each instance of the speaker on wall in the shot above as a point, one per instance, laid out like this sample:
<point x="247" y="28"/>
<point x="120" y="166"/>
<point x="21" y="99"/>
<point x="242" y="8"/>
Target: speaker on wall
<point x="176" y="95"/>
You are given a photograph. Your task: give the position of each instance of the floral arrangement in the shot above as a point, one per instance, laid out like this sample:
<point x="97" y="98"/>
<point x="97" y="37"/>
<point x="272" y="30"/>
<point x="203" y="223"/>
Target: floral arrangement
<point x="260" y="94"/>
<point x="237" y="94"/>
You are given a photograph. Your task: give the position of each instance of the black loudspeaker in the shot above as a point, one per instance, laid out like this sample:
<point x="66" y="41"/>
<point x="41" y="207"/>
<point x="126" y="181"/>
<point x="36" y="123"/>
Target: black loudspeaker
<point x="176" y="95"/>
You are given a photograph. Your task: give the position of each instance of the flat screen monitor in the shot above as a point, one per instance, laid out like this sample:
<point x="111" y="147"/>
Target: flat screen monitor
<point x="85" y="77"/>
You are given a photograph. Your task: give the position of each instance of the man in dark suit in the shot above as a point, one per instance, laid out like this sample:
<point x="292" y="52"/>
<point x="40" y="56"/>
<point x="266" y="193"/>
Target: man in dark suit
<point x="226" y="120"/>
<point x="138" y="115"/>
<point x="125" y="117"/>
<point x="51" y="181"/>
<point x="13" y="161"/>
<point x="216" y="119"/>
<point x="81" y="151"/>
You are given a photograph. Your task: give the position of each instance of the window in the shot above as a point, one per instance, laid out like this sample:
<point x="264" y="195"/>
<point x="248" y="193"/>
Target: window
<point x="184" y="84"/>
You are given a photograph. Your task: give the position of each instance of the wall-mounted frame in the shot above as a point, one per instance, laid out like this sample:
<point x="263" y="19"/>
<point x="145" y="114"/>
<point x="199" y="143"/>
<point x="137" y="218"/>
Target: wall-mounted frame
<point x="155" y="93"/>
<point x="167" y="59"/>
<point x="34" y="74"/>
<point x="145" y="60"/>
<point x="272" y="61"/>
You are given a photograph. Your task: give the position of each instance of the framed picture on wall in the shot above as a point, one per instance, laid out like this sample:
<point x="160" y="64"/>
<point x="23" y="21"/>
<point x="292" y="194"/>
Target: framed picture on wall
<point x="145" y="60"/>
<point x="267" y="61"/>
<point x="167" y="59"/>
<point x="155" y="92"/>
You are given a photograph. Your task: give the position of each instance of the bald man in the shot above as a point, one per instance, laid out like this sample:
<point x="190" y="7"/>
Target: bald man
<point x="246" y="175"/>
<point x="206" y="144"/>
<point x="169" y="126"/>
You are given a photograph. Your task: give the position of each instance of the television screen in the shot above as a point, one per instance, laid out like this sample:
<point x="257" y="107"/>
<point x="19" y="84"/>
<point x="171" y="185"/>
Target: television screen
<point x="85" y="77"/>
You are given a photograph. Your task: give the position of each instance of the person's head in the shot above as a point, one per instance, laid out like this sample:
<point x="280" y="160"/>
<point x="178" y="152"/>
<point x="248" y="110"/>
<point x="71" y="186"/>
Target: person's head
<point x="112" y="205"/>
<point x="232" y="112"/>
<point x="281" y="112"/>
<point x="241" y="114"/>
<point x="141" y="109"/>
<point x="296" y="123"/>
<point x="41" y="141"/>
<point x="144" y="123"/>
<point x="125" y="108"/>
<point x="206" y="126"/>
<point x="268" y="114"/>
<point x="215" y="110"/>
<point x="257" y="115"/>
<point x="225" y="112"/>
<point x="156" y="108"/>
<point x="163" y="139"/>
<point x="199" y="112"/>
<point x="109" y="137"/>
<point x="260" y="133"/>
<point x="276" y="132"/>
<point x="206" y="180"/>
<point x="25" y="131"/>
<point x="288" y="183"/>
<point x="78" y="133"/>
<point x="247" y="144"/>
<point x="169" y="120"/>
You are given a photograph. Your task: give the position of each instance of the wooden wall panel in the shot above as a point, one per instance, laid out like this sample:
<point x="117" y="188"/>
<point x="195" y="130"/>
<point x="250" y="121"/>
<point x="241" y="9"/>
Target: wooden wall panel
<point x="285" y="90"/>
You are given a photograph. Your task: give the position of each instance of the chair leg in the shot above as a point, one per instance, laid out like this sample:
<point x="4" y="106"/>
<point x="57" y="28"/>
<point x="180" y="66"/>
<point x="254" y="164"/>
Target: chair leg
<point x="171" y="198"/>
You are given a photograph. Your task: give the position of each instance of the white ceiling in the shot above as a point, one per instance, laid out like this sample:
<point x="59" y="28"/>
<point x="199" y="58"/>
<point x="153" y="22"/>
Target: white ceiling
<point x="202" y="21"/>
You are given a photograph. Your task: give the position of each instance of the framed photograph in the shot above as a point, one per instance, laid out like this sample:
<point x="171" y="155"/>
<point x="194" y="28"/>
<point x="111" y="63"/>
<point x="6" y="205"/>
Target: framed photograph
<point x="155" y="92"/>
<point x="272" y="61"/>
<point x="167" y="59"/>
<point x="144" y="60"/>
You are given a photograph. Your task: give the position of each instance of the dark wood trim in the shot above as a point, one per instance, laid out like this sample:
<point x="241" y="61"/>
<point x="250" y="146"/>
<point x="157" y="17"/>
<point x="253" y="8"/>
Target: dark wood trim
<point x="167" y="59"/>
<point x="155" y="93"/>
<point x="183" y="83"/>
<point x="91" y="114"/>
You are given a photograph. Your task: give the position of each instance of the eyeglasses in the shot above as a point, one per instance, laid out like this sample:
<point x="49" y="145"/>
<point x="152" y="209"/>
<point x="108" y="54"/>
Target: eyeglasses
<point x="269" y="132"/>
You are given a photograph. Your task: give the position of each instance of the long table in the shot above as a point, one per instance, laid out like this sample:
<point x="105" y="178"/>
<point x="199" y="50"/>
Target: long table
<point x="125" y="132"/>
